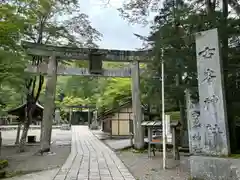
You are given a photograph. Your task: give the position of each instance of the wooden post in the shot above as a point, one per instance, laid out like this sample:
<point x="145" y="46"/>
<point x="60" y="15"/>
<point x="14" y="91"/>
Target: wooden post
<point x="70" y="116"/>
<point x="137" y="108"/>
<point x="0" y="142"/>
<point x="18" y="132"/>
<point x="149" y="140"/>
<point x="131" y="139"/>
<point x="49" y="104"/>
<point x="89" y="117"/>
<point x="174" y="143"/>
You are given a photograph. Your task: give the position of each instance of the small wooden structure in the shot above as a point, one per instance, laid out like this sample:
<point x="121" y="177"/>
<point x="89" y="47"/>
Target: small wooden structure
<point x="153" y="125"/>
<point x="31" y="139"/>
<point x="118" y="121"/>
<point x="20" y="112"/>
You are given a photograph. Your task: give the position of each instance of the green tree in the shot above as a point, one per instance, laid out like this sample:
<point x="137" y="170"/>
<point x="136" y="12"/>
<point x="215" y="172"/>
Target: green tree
<point x="104" y="92"/>
<point x="43" y="22"/>
<point x="179" y="45"/>
<point x="12" y="61"/>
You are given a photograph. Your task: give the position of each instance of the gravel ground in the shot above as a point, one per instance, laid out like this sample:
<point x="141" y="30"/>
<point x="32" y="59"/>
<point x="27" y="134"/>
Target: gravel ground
<point x="114" y="144"/>
<point x="29" y="161"/>
<point x="144" y="168"/>
<point x="50" y="174"/>
<point x="57" y="134"/>
<point x="141" y="166"/>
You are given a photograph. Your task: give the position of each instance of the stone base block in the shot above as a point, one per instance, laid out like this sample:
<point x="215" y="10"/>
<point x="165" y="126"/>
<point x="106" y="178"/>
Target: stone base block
<point x="212" y="168"/>
<point x="94" y="125"/>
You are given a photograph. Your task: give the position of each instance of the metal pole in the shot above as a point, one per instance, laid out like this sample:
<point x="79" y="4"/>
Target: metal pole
<point x="163" y="116"/>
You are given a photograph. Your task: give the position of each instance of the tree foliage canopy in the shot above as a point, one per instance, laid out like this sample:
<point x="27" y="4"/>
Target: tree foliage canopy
<point x="173" y="28"/>
<point x="54" y="22"/>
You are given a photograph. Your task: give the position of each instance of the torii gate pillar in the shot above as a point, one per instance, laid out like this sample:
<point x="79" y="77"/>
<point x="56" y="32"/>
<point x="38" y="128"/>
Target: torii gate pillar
<point x="137" y="107"/>
<point x="49" y="104"/>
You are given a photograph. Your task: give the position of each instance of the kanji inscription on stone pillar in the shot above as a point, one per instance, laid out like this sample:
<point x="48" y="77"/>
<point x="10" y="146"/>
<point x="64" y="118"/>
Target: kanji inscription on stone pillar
<point x="213" y="117"/>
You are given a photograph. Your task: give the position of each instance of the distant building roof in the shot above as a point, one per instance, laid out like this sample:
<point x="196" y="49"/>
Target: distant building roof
<point x="109" y="112"/>
<point x="20" y="111"/>
<point x="159" y="123"/>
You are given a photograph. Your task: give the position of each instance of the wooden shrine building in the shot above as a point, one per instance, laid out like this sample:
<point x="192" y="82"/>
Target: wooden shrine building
<point x="20" y="112"/>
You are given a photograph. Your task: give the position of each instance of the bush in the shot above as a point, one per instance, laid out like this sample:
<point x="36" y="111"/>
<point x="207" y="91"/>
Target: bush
<point x="2" y="174"/>
<point x="175" y="115"/>
<point x="3" y="164"/>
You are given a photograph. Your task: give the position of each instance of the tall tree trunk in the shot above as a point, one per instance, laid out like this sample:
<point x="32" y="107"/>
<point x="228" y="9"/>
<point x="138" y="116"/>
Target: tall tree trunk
<point x="30" y="86"/>
<point x="228" y="94"/>
<point x="178" y="77"/>
<point x="183" y="114"/>
<point x="181" y="104"/>
<point x="30" y="108"/>
<point x="23" y="140"/>
<point x="26" y="125"/>
<point x="49" y="105"/>
<point x="50" y="135"/>
<point x="18" y="132"/>
<point x="210" y="6"/>
<point x="0" y="143"/>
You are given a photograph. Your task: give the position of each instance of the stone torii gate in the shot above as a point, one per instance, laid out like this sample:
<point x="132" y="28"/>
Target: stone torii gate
<point x="51" y="69"/>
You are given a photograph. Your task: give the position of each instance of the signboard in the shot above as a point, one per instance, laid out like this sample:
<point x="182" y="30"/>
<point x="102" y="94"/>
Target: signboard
<point x="71" y="71"/>
<point x="95" y="64"/>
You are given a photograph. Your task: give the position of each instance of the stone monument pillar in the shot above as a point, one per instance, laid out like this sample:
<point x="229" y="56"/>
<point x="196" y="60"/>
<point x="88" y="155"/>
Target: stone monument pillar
<point x="194" y="125"/>
<point x="213" y="119"/>
<point x="208" y="130"/>
<point x="57" y="116"/>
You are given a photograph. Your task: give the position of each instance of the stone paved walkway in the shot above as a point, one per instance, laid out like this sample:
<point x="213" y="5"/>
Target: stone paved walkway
<point x="90" y="159"/>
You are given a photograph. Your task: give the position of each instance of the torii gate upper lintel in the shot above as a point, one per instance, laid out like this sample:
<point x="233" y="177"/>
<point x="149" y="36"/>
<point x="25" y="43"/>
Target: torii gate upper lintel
<point x="83" y="53"/>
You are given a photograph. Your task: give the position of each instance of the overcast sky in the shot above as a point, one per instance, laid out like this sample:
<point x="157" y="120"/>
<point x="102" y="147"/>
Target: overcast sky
<point x="117" y="33"/>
